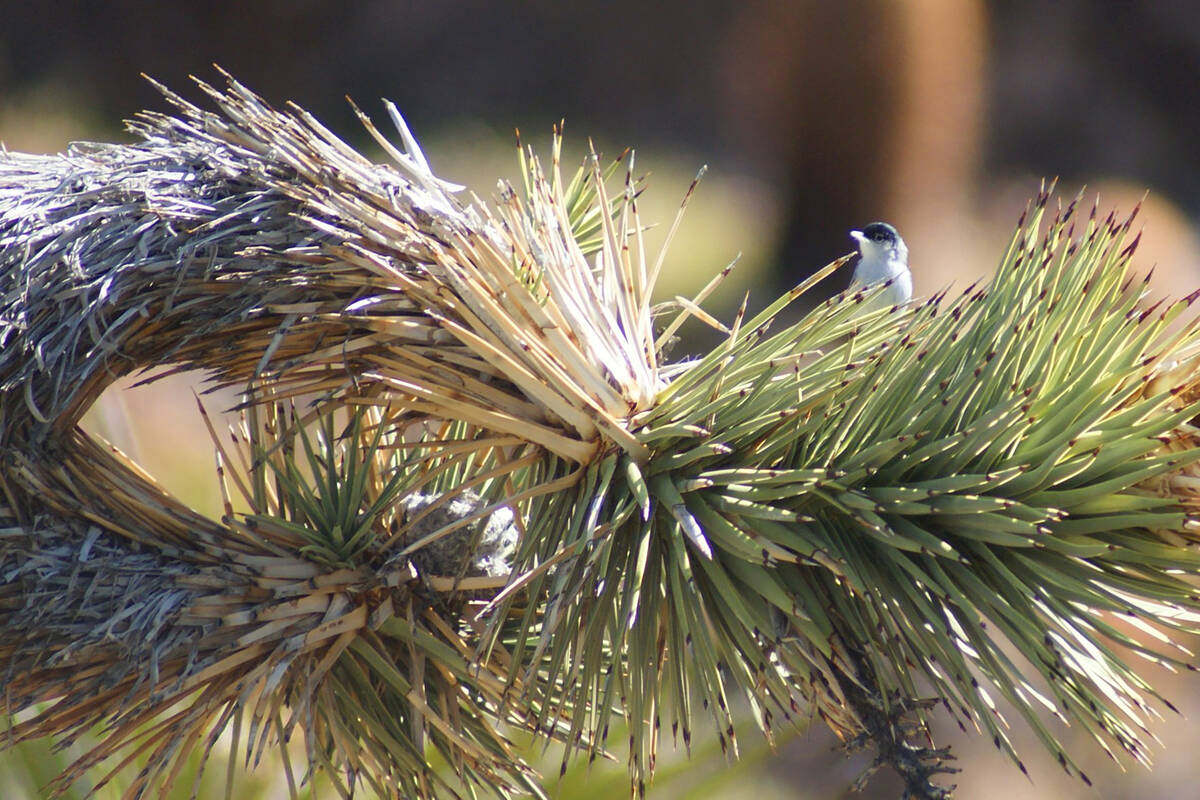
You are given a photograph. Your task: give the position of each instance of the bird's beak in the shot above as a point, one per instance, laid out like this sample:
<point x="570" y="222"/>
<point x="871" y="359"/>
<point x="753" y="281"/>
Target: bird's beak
<point x="858" y="235"/>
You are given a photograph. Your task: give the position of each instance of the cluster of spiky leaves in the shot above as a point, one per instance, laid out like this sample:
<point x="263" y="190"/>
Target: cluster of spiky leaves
<point x="406" y="679"/>
<point x="975" y="496"/>
<point x="891" y="499"/>
<point x="445" y="349"/>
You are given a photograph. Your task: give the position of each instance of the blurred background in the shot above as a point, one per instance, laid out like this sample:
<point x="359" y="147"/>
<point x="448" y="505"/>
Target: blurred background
<point x="940" y="116"/>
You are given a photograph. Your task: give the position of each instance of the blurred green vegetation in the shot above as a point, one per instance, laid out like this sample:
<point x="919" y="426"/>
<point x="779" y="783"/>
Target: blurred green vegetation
<point x="28" y="768"/>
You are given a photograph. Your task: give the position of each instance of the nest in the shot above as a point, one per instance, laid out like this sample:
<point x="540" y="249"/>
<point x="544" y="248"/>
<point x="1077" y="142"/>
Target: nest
<point x="479" y="501"/>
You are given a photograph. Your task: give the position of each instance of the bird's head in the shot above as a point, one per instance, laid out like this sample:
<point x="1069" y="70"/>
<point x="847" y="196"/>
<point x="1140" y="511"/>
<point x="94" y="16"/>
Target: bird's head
<point x="881" y="240"/>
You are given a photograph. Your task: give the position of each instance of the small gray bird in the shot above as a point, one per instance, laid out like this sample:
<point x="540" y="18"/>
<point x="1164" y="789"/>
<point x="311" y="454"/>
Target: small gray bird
<point x="884" y="258"/>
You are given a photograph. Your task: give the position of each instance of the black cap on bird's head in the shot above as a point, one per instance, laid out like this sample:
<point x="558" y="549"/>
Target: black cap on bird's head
<point x="882" y="238"/>
<point x="879" y="232"/>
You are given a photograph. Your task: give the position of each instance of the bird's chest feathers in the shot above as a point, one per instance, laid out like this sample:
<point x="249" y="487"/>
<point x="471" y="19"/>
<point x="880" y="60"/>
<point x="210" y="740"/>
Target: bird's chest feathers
<point x="879" y="269"/>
